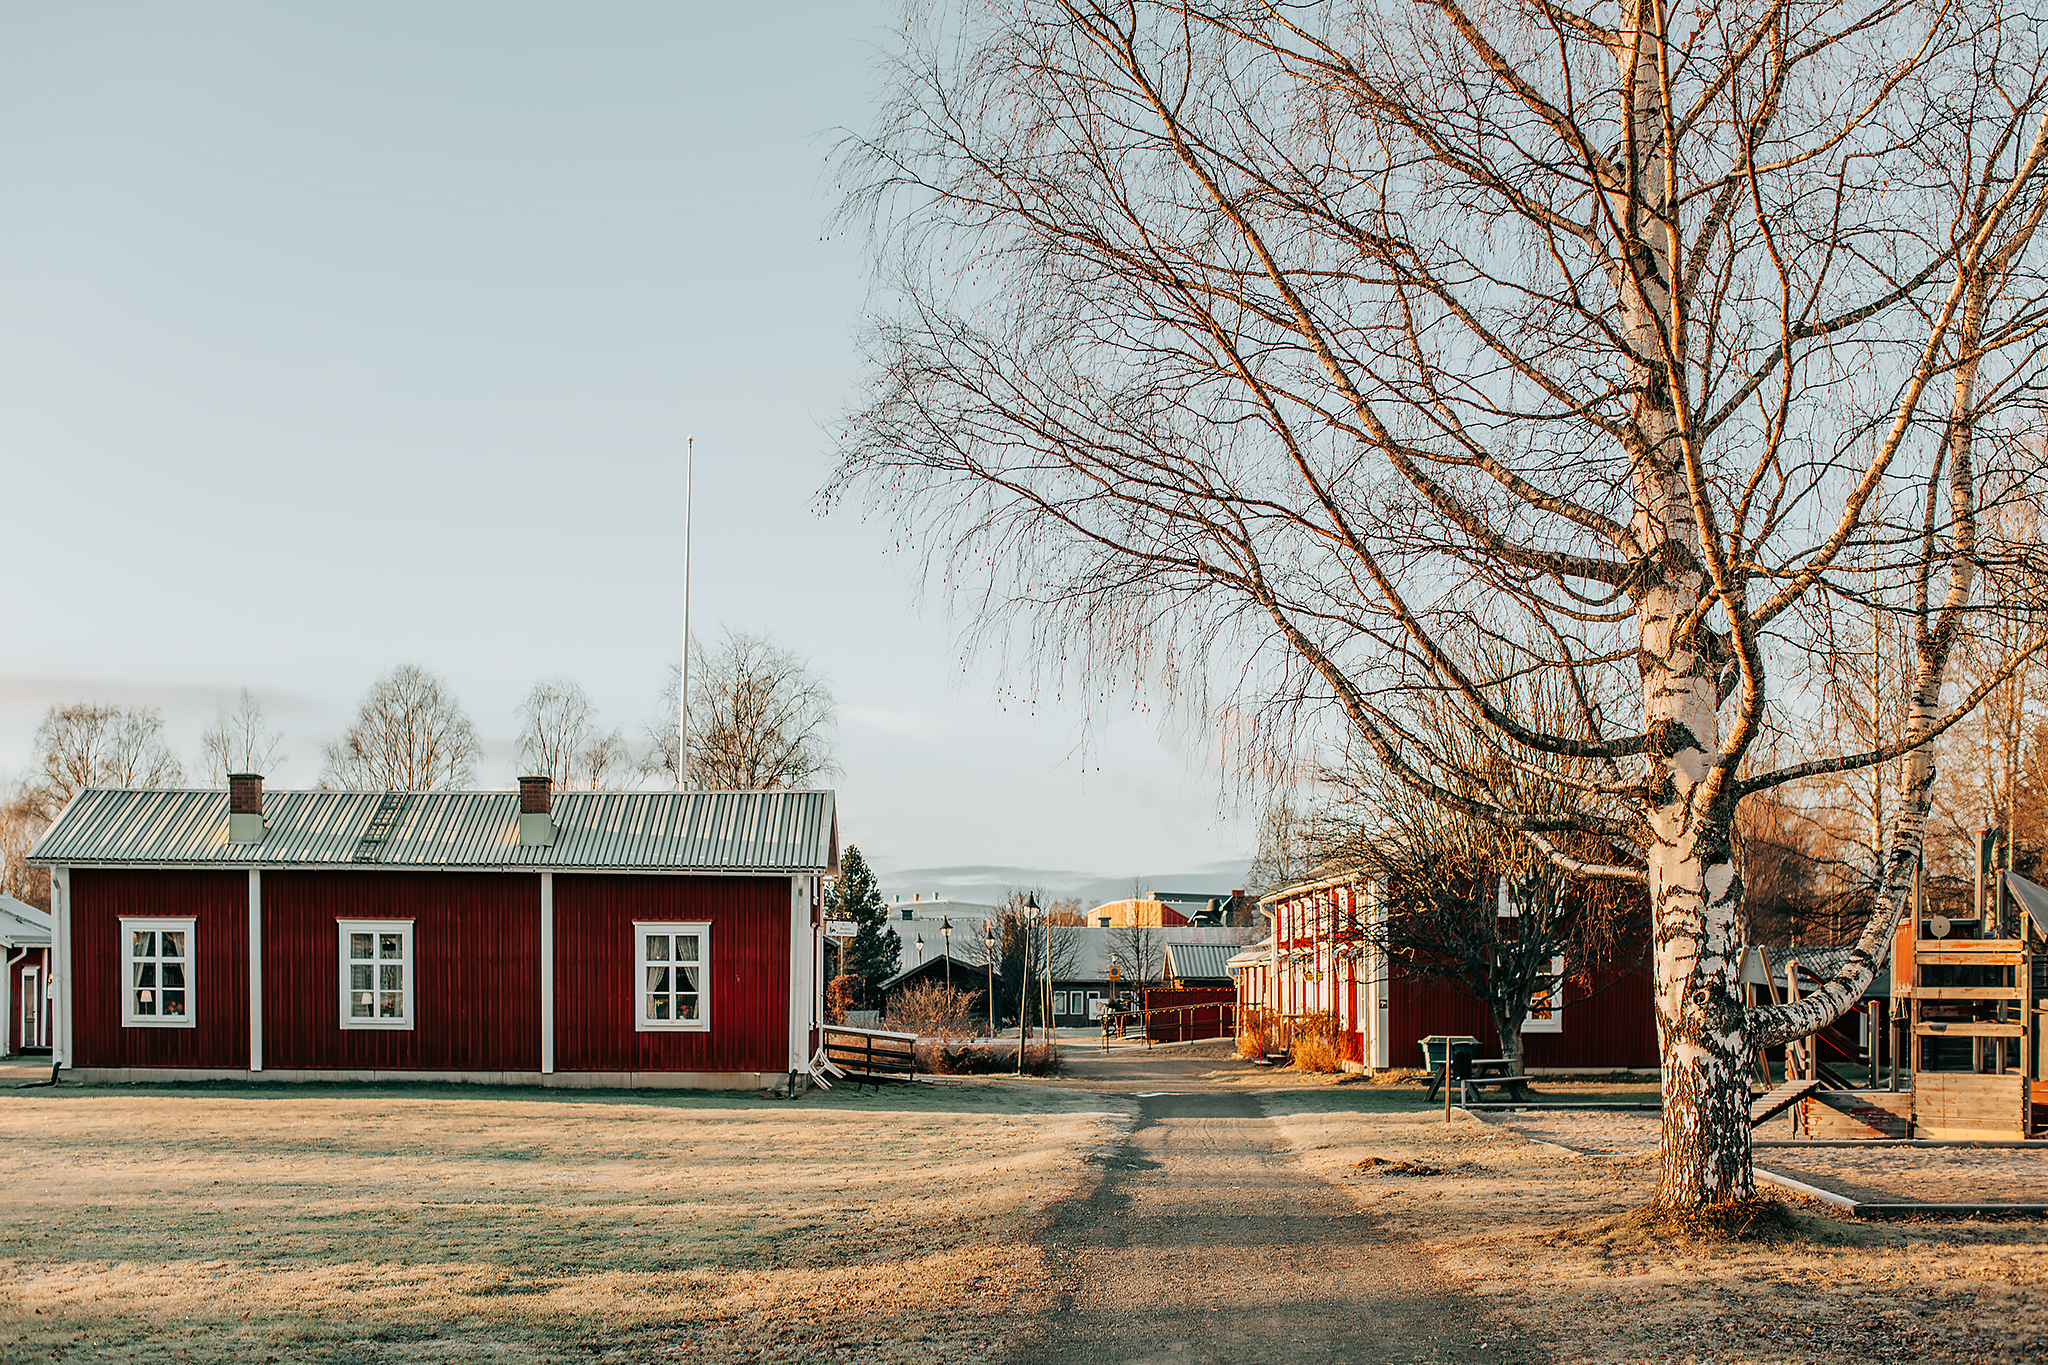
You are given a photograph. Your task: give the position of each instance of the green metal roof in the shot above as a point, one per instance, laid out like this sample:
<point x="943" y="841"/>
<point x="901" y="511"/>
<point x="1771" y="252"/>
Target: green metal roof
<point x="757" y="832"/>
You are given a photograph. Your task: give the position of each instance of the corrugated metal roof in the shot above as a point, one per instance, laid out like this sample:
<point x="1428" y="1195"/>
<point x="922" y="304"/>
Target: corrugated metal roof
<point x="1198" y="961"/>
<point x="22" y="925"/>
<point x="773" y="831"/>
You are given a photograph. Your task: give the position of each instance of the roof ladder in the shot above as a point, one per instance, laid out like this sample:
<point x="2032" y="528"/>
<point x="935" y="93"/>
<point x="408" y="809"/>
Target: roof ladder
<point x="390" y="806"/>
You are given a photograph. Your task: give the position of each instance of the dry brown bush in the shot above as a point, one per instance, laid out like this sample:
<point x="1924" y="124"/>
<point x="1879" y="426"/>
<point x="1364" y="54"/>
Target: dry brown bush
<point x="1316" y="1046"/>
<point x="843" y="993"/>
<point x="1259" y="1034"/>
<point x="931" y="1010"/>
<point x="966" y="1057"/>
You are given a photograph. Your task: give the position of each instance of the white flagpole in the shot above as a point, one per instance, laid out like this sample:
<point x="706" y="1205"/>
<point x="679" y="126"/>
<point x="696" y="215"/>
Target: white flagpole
<point x="683" y="687"/>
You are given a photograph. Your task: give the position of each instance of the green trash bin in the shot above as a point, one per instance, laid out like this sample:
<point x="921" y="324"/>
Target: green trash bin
<point x="1438" y="1046"/>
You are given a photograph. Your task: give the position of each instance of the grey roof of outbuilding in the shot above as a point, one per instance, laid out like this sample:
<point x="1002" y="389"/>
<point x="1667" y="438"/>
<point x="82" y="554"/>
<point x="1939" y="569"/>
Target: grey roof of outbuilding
<point x="22" y="925"/>
<point x="754" y="832"/>
<point x="965" y="970"/>
<point x="1199" y="961"/>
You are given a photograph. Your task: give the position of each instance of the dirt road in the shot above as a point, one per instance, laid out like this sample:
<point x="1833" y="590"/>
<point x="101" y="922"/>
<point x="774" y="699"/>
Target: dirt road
<point x="1205" y="1241"/>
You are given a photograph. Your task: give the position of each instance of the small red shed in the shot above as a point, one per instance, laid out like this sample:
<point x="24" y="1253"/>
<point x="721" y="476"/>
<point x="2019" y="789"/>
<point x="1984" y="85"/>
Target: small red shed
<point x="574" y="938"/>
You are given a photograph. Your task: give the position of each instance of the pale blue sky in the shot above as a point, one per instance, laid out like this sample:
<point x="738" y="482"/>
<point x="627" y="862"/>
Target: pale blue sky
<point x="339" y="336"/>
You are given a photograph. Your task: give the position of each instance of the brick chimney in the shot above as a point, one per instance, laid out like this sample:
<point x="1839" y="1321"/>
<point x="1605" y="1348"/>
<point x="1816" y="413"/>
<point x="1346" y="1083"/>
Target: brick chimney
<point x="245" y="808"/>
<point x="536" y="810"/>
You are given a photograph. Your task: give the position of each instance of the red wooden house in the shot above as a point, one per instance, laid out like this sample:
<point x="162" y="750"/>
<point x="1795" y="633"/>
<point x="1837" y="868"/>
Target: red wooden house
<point x="25" y="948"/>
<point x="1321" y="960"/>
<point x="576" y="938"/>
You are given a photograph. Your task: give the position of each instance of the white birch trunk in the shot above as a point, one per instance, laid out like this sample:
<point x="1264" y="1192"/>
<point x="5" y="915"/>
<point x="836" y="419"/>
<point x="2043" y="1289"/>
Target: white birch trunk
<point x="1695" y="891"/>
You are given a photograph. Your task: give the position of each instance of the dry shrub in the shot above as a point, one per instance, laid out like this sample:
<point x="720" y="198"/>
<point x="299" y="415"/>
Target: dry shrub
<point x="1042" y="1058"/>
<point x="1317" y="1046"/>
<point x="930" y="1010"/>
<point x="843" y="993"/>
<point x="969" y="1057"/>
<point x="1259" y="1035"/>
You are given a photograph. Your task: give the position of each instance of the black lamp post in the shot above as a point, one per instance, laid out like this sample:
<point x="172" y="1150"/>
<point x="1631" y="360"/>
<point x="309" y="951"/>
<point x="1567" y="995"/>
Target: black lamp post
<point x="946" y="933"/>
<point x="1024" y="978"/>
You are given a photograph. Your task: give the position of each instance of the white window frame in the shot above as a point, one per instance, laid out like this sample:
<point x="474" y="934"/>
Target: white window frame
<point x="407" y="967"/>
<point x="131" y="927"/>
<point x="1555" y="1023"/>
<point x="641" y="929"/>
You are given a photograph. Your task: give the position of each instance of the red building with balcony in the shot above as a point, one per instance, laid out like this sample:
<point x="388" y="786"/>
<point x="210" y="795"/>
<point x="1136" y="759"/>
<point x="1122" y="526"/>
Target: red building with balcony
<point x="577" y="938"/>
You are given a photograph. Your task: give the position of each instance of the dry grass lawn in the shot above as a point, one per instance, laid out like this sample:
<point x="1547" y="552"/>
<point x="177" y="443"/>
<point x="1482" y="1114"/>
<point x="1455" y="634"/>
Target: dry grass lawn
<point x="1547" y="1239"/>
<point x="446" y="1223"/>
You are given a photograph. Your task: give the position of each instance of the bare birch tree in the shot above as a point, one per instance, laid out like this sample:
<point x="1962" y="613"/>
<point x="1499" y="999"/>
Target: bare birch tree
<point x="759" y="718"/>
<point x="83" y="745"/>
<point x="1311" y="347"/>
<point x="410" y="735"/>
<point x="93" y="745"/>
<point x="22" y="822"/>
<point x="559" y="736"/>
<point x="238" y="741"/>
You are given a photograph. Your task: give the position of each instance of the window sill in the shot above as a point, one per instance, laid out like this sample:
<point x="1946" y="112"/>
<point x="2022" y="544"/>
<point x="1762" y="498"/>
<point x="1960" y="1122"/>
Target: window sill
<point x="387" y="1025"/>
<point x="159" y="1023"/>
<point x="665" y="1026"/>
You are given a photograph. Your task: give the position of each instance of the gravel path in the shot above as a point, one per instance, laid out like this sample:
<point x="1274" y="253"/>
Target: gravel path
<point x="1205" y="1240"/>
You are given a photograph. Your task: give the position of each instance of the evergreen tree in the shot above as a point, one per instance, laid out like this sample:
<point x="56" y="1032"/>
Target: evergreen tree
<point x="875" y="951"/>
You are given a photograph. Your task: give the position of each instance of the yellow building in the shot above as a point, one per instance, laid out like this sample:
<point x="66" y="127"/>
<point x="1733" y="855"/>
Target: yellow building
<point x="1168" y="909"/>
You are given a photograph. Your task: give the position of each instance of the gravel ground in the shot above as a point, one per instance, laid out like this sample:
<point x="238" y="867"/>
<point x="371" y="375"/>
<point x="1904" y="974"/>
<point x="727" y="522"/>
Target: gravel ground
<point x="1553" y="1242"/>
<point x="1206" y="1240"/>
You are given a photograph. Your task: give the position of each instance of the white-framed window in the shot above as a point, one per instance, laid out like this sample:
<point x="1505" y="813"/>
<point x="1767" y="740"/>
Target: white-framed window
<point x="376" y="973"/>
<point x="1059" y="1003"/>
<point x="673" y="981"/>
<point x="1546" y="1007"/>
<point x="158" y="954"/>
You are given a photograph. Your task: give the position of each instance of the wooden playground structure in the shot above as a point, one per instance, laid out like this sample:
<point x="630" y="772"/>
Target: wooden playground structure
<point x="1968" y="1004"/>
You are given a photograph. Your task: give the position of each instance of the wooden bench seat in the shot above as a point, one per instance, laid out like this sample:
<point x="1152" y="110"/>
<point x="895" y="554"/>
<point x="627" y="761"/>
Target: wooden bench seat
<point x="1517" y="1087"/>
<point x="870" y="1056"/>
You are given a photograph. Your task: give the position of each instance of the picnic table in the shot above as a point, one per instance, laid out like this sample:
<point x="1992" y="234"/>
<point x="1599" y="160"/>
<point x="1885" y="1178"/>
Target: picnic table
<point x="1452" y="1057"/>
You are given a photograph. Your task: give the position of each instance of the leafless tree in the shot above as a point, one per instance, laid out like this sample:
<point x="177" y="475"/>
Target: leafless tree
<point x="1284" y="854"/>
<point x="1469" y="905"/>
<point x="409" y="735"/>
<point x="759" y="719"/>
<point x="22" y="822"/>
<point x="1139" y="953"/>
<point x="559" y="736"/>
<point x="1016" y="942"/>
<point x="91" y="745"/>
<point x="78" y="746"/>
<point x="239" y="742"/>
<point x="1325" y="343"/>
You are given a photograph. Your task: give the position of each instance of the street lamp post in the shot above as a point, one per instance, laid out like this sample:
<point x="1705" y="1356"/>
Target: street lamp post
<point x="988" y="955"/>
<point x="946" y="933"/>
<point x="1024" y="975"/>
<point x="920" y="950"/>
